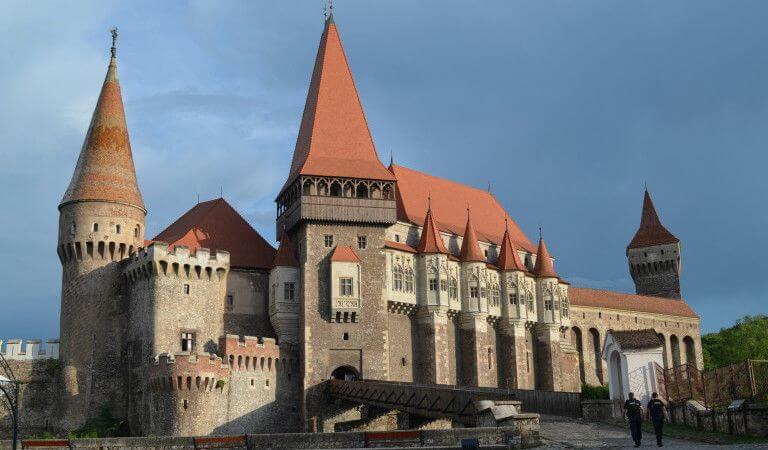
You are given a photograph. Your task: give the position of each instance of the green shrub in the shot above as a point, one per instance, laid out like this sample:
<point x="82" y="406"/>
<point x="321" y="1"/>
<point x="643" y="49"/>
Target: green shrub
<point x="589" y="392"/>
<point x="103" y="426"/>
<point x="220" y="384"/>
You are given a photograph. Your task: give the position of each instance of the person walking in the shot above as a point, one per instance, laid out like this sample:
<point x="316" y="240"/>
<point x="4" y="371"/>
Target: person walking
<point x="634" y="411"/>
<point x="655" y="410"/>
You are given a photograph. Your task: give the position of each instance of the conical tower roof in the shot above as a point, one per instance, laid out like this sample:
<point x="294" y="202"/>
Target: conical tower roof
<point x="286" y="253"/>
<point x="470" y="248"/>
<point x="334" y="139"/>
<point x="651" y="231"/>
<point x="105" y="170"/>
<point x="508" y="257"/>
<point x="430" y="241"/>
<point x="544" y="266"/>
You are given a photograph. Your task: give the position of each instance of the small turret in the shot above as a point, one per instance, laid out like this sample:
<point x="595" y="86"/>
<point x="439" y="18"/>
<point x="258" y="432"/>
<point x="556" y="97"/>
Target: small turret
<point x="654" y="256"/>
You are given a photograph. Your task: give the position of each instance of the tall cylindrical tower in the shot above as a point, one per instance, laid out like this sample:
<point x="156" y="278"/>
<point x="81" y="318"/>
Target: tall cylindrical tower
<point x="101" y="222"/>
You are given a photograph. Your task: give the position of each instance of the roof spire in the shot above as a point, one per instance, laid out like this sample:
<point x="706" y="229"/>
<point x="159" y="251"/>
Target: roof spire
<point x="544" y="266"/>
<point x="105" y="170"/>
<point x="429" y="202"/>
<point x="651" y="231"/>
<point x="391" y="158"/>
<point x="328" y="11"/>
<point x="470" y="248"/>
<point x="430" y="241"/>
<point x="508" y="258"/>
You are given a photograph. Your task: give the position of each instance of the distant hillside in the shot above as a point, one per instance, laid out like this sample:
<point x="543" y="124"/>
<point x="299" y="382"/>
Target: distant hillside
<point x="748" y="339"/>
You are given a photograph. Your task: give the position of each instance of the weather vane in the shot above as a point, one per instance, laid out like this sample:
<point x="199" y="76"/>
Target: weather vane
<point x="328" y="9"/>
<point x="113" y="32"/>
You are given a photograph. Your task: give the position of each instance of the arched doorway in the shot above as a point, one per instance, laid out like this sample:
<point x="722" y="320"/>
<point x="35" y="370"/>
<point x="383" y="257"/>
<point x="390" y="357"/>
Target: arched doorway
<point x="596" y="352"/>
<point x="616" y="376"/>
<point x="674" y="343"/>
<point x="345" y="373"/>
<point x="690" y="354"/>
<point x="664" y="357"/>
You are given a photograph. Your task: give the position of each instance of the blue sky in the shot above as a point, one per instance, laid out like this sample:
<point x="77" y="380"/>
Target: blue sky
<point x="565" y="107"/>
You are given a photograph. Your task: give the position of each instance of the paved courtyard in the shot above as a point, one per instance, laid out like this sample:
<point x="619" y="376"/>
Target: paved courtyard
<point x="563" y="432"/>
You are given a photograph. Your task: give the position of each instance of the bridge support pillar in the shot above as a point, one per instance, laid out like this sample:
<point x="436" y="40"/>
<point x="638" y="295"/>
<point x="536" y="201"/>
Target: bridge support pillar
<point x="477" y="350"/>
<point x="512" y="356"/>
<point x="433" y="323"/>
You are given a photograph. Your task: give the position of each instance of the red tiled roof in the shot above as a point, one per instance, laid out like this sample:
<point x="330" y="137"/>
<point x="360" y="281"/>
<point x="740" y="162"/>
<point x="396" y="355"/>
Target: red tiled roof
<point x="651" y="231"/>
<point x="215" y="225"/>
<point x="399" y="246"/>
<point x="334" y="138"/>
<point x="508" y="258"/>
<point x="451" y="200"/>
<point x="544" y="266"/>
<point x="105" y="170"/>
<point x="430" y="241"/>
<point x="628" y="302"/>
<point x="637" y="339"/>
<point x="470" y="249"/>
<point x="286" y="253"/>
<point x="344" y="253"/>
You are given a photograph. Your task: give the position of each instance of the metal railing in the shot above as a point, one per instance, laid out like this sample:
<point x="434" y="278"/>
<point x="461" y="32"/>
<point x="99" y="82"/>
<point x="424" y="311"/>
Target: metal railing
<point x="717" y="387"/>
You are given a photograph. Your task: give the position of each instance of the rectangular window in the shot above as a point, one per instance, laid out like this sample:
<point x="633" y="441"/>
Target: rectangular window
<point x="95" y="227"/>
<point x="186" y="289"/>
<point x="495" y="296"/>
<point x="548" y="304"/>
<point x="398" y="280"/>
<point x="230" y="302"/>
<point x="397" y="238"/>
<point x="443" y="285"/>
<point x="117" y="229"/>
<point x="345" y="287"/>
<point x="328" y="240"/>
<point x="474" y="291"/>
<point x="453" y="289"/>
<point x="362" y="242"/>
<point x="289" y="292"/>
<point x="432" y="284"/>
<point x="187" y="342"/>
<point x="483" y="292"/>
<point x="409" y="282"/>
<point x="513" y="299"/>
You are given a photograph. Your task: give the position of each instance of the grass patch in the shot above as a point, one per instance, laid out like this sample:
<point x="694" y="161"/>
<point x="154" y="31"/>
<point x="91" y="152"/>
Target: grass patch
<point x="589" y="392"/>
<point x="103" y="426"/>
<point x="678" y="431"/>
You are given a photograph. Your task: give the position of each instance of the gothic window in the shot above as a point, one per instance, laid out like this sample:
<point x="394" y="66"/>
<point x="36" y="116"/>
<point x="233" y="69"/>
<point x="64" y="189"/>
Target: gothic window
<point x="565" y="307"/>
<point x="328" y="240"/>
<point x="307" y="188"/>
<point x="289" y="292"/>
<point x="362" y="242"/>
<point x="409" y="281"/>
<point x="387" y="192"/>
<point x="495" y="296"/>
<point x="345" y="287"/>
<point x="397" y="279"/>
<point x="453" y="290"/>
<point x="322" y="188"/>
<point x="362" y="190"/>
<point x="432" y="284"/>
<point x="187" y="342"/>
<point x="230" y="305"/>
<point x="335" y="189"/>
<point x="443" y="285"/>
<point x="349" y="190"/>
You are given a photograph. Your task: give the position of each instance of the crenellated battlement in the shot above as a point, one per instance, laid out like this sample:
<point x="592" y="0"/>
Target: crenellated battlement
<point x="17" y="349"/>
<point x="254" y="353"/>
<point x="184" y="371"/>
<point x="158" y="260"/>
<point x="106" y="250"/>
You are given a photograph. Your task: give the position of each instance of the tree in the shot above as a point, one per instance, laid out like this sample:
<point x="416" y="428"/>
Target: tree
<point x="748" y="339"/>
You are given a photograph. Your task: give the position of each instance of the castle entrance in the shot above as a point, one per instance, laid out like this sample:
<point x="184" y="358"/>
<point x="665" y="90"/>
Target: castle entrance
<point x="346" y="373"/>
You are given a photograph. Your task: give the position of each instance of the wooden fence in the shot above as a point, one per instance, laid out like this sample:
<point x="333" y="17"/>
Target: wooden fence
<point x="717" y="387"/>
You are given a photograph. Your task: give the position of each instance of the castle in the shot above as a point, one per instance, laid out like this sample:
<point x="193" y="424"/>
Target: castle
<point x="383" y="273"/>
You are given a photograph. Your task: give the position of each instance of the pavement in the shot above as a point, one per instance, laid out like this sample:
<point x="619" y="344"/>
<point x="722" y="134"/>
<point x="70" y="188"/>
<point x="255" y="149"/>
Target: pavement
<point x="565" y="432"/>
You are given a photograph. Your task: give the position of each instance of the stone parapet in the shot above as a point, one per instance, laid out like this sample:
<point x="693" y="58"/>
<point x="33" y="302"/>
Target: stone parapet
<point x="158" y="260"/>
<point x="18" y="349"/>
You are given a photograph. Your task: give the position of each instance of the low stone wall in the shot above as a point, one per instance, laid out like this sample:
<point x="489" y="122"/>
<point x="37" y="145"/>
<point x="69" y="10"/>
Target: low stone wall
<point x="598" y="410"/>
<point x="750" y="419"/>
<point x="523" y="435"/>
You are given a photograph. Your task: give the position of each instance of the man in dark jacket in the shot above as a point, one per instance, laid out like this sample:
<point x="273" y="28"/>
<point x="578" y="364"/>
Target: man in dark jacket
<point x="634" y="411"/>
<point x="656" y="414"/>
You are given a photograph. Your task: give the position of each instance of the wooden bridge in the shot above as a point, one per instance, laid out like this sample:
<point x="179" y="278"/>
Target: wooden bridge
<point x="450" y="402"/>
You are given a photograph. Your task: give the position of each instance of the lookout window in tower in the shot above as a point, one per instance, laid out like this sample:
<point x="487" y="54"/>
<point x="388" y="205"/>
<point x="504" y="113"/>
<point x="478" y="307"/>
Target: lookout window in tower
<point x="136" y="231"/>
<point x="117" y="229"/>
<point x="95" y="227"/>
<point x="186" y="289"/>
<point x="187" y="342"/>
<point x="230" y="305"/>
<point x="328" y="240"/>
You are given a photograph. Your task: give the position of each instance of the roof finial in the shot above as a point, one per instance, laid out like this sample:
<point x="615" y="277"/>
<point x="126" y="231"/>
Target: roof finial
<point x="645" y="185"/>
<point x="391" y="157"/>
<point x="221" y="192"/>
<point x="467" y="212"/>
<point x="429" y="202"/>
<point x="489" y="187"/>
<point x="540" y="234"/>
<point x="113" y="32"/>
<point x="328" y="11"/>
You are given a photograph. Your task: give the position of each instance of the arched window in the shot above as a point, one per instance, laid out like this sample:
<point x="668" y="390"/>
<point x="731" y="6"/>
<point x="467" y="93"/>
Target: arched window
<point x="137" y="231"/>
<point x="375" y="191"/>
<point x="349" y="189"/>
<point x="387" y="192"/>
<point x="362" y="190"/>
<point x="397" y="279"/>
<point x="322" y="188"/>
<point x="308" y="188"/>
<point x="453" y="291"/>
<point x="335" y="189"/>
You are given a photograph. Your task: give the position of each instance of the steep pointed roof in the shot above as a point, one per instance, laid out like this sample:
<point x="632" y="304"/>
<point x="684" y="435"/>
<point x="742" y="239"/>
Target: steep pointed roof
<point x="508" y="258"/>
<point x="470" y="248"/>
<point x="215" y="225"/>
<point x="651" y="231"/>
<point x="334" y="139"/>
<point x="105" y="170"/>
<point x="450" y="200"/>
<point x="430" y="241"/>
<point x="544" y="266"/>
<point x="286" y="253"/>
